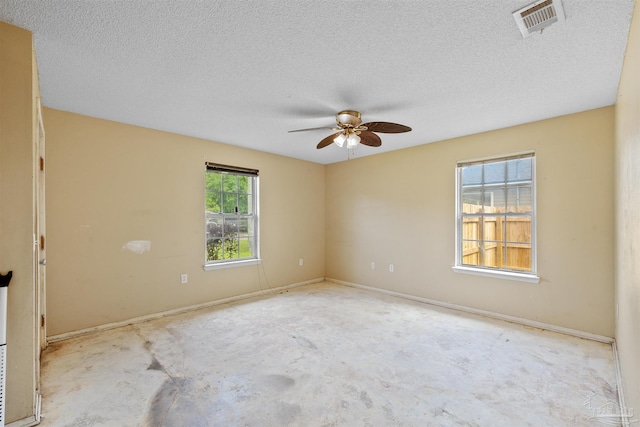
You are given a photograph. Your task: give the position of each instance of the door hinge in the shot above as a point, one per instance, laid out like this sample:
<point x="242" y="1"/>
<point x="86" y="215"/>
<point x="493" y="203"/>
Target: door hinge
<point x="41" y="242"/>
<point x="42" y="321"/>
<point x="41" y="163"/>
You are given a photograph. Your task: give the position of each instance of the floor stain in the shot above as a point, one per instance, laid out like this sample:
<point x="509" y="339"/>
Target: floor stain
<point x="156" y="366"/>
<point x="288" y="412"/>
<point x="164" y="400"/>
<point x="364" y="397"/>
<point x="305" y="343"/>
<point x="279" y="382"/>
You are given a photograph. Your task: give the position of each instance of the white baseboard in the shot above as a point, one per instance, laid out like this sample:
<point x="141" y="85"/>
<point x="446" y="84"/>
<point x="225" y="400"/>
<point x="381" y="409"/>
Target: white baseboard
<point x="505" y="317"/>
<point x="148" y="317"/>
<point x="499" y="316"/>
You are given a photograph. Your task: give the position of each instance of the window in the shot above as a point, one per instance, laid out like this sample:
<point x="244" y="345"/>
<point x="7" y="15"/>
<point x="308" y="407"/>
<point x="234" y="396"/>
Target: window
<point x="231" y="216"/>
<point x="496" y="216"/>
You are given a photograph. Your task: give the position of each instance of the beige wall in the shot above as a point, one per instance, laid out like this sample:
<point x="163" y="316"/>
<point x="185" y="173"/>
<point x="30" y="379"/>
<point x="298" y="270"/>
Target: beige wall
<point x="399" y="207"/>
<point x="628" y="218"/>
<point x="17" y="118"/>
<point x="109" y="183"/>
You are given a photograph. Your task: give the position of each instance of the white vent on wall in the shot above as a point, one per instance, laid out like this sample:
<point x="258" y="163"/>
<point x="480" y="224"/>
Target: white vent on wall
<point x="538" y="16"/>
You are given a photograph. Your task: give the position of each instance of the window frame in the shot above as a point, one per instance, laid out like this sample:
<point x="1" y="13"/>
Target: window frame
<point x="495" y="272"/>
<point x="254" y="216"/>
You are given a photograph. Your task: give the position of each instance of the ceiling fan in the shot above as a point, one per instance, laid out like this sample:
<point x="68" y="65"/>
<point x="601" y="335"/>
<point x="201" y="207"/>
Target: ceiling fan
<point x="352" y="131"/>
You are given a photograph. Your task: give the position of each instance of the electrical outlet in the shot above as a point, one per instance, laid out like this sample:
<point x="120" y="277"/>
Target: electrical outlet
<point x="391" y="268"/>
<point x="301" y="262"/>
<point x="373" y="265"/>
<point x="184" y="278"/>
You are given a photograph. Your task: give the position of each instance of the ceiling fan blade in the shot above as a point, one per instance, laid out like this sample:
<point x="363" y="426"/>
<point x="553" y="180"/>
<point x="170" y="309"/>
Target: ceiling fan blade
<point x="328" y="140"/>
<point x="370" y="139"/>
<point x="304" y="130"/>
<point x="386" y="127"/>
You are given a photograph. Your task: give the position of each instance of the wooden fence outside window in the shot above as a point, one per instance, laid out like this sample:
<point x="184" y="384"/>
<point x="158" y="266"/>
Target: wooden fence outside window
<point x="506" y="239"/>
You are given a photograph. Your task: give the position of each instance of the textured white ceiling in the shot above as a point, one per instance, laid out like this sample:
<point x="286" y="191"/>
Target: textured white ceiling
<point x="246" y="72"/>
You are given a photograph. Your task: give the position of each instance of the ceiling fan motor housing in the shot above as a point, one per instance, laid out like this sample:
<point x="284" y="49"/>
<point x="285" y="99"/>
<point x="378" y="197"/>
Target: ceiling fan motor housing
<point x="348" y="118"/>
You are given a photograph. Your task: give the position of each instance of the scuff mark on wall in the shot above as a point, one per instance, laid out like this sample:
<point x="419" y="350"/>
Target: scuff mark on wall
<point x="137" y="246"/>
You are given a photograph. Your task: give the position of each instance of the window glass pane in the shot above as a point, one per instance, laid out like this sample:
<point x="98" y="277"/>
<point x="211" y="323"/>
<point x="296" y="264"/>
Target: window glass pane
<point x="250" y="203"/>
<point x="492" y="226"/>
<point x="518" y="229"/>
<point x="243" y="225"/>
<point x="492" y="254"/>
<point x="213" y="202"/>
<point x="214" y="228"/>
<point x="252" y="245"/>
<point x="251" y="226"/>
<point x="230" y="240"/>
<point x="494" y="200"/>
<point x="214" y="181"/>
<point x="519" y="199"/>
<point x="519" y="170"/>
<point x="470" y="252"/>
<point x="471" y="200"/>
<point x="230" y="203"/>
<point x="494" y="173"/>
<point x="230" y="227"/>
<point x="214" y="231"/>
<point x="472" y="175"/>
<point x="229" y="183"/>
<point x="246" y="247"/>
<point x="214" y="250"/>
<point x="243" y="184"/>
<point x="471" y="229"/>
<point x="518" y="257"/>
<point x="243" y="204"/>
<point x="214" y="238"/>
<point x="230" y="248"/>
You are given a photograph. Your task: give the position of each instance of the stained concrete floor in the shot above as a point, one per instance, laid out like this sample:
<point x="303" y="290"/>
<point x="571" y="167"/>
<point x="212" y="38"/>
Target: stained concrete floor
<point x="326" y="355"/>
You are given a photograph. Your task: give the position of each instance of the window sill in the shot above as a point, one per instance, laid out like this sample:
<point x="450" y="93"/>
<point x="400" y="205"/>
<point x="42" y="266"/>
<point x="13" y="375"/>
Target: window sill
<point x="231" y="264"/>
<point x="508" y="275"/>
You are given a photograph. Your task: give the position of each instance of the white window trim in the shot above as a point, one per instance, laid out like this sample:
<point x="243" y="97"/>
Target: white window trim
<point x="531" y="277"/>
<point x="498" y="274"/>
<point x="231" y="264"/>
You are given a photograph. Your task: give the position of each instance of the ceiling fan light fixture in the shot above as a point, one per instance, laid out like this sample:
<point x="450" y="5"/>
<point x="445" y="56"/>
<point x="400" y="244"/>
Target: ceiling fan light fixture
<point x="352" y="140"/>
<point x="340" y="139"/>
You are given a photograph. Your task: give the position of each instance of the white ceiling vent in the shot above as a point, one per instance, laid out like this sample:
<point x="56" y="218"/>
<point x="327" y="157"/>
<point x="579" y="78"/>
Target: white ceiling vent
<point x="538" y="16"/>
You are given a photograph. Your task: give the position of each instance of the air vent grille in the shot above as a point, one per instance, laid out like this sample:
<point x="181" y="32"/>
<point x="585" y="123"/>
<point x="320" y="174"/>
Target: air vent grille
<point x="539" y="15"/>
